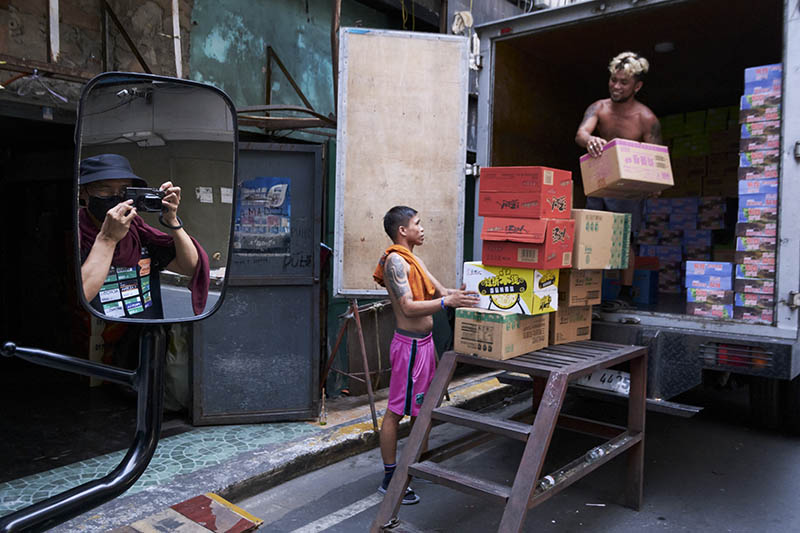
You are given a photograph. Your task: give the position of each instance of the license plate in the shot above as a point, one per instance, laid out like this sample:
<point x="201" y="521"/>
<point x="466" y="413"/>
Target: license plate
<point x="611" y="380"/>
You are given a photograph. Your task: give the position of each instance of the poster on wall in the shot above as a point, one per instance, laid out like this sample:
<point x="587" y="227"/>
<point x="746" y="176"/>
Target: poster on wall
<point x="263" y="217"/>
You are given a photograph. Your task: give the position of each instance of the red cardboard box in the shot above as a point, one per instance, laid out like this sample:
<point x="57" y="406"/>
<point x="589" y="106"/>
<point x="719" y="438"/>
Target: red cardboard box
<point x="523" y="179"/>
<point x="528" y="243"/>
<point x="525" y="192"/>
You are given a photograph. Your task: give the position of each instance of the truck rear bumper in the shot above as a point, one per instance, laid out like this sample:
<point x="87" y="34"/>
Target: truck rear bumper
<point x="678" y="356"/>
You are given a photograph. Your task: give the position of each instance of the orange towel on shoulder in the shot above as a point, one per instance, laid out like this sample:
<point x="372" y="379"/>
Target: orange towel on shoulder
<point x="421" y="286"/>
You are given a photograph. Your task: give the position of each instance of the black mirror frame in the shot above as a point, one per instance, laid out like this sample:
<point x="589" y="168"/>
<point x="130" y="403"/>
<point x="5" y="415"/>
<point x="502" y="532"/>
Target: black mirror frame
<point x="76" y="180"/>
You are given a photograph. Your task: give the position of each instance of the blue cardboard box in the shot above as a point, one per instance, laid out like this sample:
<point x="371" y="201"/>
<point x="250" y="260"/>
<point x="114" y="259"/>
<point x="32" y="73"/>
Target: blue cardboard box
<point x="708" y="268"/>
<point x="611" y="284"/>
<point x="758" y="200"/>
<point x="645" y="287"/>
<point x="758" y="186"/>
<point x="763" y="79"/>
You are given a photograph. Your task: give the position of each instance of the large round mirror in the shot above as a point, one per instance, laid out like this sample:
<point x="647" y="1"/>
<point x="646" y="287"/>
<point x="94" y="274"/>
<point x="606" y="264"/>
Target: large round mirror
<point x="155" y="190"/>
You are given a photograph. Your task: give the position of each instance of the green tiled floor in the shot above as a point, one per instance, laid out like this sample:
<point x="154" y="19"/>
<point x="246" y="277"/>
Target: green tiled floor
<point x="182" y="454"/>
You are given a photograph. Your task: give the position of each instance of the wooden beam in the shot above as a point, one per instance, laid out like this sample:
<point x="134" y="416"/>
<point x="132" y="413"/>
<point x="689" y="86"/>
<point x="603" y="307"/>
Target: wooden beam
<point x="289" y="77"/>
<point x="21" y="64"/>
<point x="282" y="123"/>
<point x="54" y="34"/>
<point x="335" y="24"/>
<point x="127" y="37"/>
<point x="176" y="39"/>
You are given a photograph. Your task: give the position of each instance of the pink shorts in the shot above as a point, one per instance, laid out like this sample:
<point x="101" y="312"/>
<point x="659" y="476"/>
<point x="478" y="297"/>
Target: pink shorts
<point x="413" y="365"/>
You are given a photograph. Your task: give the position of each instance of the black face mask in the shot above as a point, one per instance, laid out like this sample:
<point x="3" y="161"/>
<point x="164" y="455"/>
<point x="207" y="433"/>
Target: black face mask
<point x="98" y="207"/>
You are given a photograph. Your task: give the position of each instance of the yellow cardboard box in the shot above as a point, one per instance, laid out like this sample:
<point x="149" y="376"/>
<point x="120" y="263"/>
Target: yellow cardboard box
<point x="519" y="290"/>
<point x="498" y="334"/>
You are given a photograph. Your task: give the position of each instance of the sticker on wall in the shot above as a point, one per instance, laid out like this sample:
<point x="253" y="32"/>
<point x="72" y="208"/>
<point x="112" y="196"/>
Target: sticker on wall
<point x="205" y="195"/>
<point x="263" y="217"/>
<point x="226" y="195"/>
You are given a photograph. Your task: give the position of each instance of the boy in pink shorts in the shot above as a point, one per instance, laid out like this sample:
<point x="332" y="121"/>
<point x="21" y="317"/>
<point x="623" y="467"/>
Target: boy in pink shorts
<point x="415" y="295"/>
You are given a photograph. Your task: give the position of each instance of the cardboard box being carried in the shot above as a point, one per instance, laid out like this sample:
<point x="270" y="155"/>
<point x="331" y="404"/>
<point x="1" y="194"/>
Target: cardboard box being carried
<point x="627" y="169"/>
<point x="570" y="324"/>
<point x="578" y="288"/>
<point x="602" y="240"/>
<point x="527" y="243"/>
<point x="498" y="334"/>
<point x="520" y="290"/>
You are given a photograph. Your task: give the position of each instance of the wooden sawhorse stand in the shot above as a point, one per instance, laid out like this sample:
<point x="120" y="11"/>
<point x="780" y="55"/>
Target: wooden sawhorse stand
<point x="558" y="365"/>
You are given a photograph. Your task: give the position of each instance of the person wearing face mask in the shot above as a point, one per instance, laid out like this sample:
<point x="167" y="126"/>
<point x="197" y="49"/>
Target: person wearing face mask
<point x="121" y="254"/>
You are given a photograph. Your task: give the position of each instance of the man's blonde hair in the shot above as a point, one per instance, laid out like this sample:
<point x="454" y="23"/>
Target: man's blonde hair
<point x="631" y="64"/>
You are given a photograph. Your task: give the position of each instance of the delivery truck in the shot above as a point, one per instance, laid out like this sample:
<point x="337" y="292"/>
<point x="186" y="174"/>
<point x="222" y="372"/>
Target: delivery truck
<point x="513" y="92"/>
<point x="538" y="73"/>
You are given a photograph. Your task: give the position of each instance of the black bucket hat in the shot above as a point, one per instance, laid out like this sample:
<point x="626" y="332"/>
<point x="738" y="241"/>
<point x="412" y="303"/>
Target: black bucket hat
<point x="108" y="167"/>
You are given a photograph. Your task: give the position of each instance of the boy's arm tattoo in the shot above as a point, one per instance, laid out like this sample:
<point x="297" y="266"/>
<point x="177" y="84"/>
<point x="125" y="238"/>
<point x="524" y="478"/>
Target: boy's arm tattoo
<point x="395" y="277"/>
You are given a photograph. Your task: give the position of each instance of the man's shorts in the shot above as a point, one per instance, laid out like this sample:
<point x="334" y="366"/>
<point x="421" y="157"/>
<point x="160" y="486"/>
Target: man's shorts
<point x="413" y="365"/>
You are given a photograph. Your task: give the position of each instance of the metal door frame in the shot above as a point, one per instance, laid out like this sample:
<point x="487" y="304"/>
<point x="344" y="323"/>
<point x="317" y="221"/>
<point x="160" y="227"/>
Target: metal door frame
<point x="239" y="282"/>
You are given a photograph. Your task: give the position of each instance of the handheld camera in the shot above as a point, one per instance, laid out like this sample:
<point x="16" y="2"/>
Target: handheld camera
<point x="145" y="199"/>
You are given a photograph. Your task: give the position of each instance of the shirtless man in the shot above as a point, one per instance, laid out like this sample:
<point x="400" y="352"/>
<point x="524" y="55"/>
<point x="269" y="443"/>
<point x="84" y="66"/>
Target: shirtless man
<point x="620" y="117"/>
<point x="416" y="296"/>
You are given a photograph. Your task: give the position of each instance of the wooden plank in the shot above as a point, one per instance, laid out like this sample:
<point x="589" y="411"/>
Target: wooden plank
<point x="168" y="520"/>
<point x="637" y="408"/>
<point x="54" y="33"/>
<point x="22" y="64"/>
<point x="398" y="90"/>
<point x="217" y="514"/>
<point x="463" y="417"/>
<point x="176" y="39"/>
<point x="530" y="466"/>
<point x="462" y="482"/>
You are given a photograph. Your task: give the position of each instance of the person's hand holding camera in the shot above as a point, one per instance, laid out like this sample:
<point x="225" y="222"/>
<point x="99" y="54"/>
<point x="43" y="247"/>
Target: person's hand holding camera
<point x="117" y="222"/>
<point x="170" y="203"/>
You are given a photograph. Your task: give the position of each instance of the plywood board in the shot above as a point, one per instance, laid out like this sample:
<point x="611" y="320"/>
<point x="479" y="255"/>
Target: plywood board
<point x="401" y="140"/>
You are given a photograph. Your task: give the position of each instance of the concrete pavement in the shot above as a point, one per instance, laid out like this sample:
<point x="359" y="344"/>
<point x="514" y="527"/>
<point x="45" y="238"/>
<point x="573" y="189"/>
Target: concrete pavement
<point x="232" y="461"/>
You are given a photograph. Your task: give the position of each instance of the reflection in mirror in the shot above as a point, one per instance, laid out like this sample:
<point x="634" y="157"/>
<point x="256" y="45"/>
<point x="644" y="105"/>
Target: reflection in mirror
<point x="155" y="197"/>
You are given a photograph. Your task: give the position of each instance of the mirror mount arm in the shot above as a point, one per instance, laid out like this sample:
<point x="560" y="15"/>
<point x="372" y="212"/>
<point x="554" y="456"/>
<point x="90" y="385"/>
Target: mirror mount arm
<point x="70" y="364"/>
<point x="148" y="382"/>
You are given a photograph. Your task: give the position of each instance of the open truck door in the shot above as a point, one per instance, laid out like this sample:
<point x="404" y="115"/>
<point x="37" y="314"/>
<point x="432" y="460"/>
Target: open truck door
<point x="401" y="140"/>
<point x="141" y="246"/>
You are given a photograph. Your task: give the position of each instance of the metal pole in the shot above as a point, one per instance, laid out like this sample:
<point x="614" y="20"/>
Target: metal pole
<point x="148" y="382"/>
<point x="335" y="22"/>
<point x="367" y="379"/>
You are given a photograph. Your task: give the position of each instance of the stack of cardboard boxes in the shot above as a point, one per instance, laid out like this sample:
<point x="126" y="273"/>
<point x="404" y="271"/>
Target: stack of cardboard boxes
<point x="527" y="236"/>
<point x="756" y="228"/>
<point x="541" y="260"/>
<point x="704" y="146"/>
<point x="709" y="289"/>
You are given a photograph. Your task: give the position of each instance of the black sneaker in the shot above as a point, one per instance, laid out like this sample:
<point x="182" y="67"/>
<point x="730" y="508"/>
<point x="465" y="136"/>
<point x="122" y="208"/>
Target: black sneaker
<point x="409" y="498"/>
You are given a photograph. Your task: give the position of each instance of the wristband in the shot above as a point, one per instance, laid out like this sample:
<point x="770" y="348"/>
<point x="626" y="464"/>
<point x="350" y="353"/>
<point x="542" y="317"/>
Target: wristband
<point x="442" y="302"/>
<point x="179" y="226"/>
